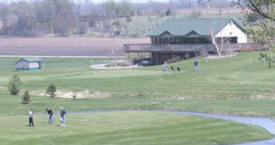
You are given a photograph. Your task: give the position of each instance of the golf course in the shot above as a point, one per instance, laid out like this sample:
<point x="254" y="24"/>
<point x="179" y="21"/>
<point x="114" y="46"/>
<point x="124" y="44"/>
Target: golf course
<point x="128" y="128"/>
<point x="239" y="85"/>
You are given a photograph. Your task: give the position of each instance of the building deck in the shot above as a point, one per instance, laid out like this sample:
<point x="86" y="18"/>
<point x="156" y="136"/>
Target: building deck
<point x="163" y="48"/>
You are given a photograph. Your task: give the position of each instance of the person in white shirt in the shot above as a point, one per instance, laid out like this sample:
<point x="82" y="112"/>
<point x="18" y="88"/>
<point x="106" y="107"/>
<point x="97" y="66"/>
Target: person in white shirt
<point x="31" y="121"/>
<point x="164" y="66"/>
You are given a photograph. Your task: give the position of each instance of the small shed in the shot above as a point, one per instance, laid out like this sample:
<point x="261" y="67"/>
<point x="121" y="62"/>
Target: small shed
<point x="27" y="64"/>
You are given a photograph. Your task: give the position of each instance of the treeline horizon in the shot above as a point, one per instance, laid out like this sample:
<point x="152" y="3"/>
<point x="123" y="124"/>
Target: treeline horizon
<point x="67" y="17"/>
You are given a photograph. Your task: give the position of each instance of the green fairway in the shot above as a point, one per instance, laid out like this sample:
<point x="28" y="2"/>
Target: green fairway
<point x="241" y="76"/>
<point x="127" y="128"/>
<point x="239" y="85"/>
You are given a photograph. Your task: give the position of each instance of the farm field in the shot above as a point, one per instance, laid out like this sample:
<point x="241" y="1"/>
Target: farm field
<point x="239" y="85"/>
<point x="128" y="128"/>
<point x="70" y="46"/>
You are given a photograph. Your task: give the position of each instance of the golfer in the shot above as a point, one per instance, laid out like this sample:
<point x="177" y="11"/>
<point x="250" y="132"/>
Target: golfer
<point x="51" y="116"/>
<point x="62" y="116"/>
<point x="31" y="121"/>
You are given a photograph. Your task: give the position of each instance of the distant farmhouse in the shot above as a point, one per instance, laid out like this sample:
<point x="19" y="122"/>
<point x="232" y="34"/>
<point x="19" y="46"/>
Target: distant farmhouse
<point x="26" y="64"/>
<point x="178" y="37"/>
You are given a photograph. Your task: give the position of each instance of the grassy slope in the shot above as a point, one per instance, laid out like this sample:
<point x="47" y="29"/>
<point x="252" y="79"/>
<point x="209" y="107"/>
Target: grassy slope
<point x="238" y="85"/>
<point x="128" y="128"/>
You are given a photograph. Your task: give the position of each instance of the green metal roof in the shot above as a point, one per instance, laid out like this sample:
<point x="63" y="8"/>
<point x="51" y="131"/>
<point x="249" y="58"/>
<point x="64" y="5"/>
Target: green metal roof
<point x="33" y="59"/>
<point x="182" y="27"/>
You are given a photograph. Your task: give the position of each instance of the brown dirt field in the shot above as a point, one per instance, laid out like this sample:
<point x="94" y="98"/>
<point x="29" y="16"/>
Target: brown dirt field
<point x="65" y="46"/>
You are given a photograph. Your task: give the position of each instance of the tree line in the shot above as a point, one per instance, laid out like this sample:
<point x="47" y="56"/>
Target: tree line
<point x="75" y="17"/>
<point x="57" y="17"/>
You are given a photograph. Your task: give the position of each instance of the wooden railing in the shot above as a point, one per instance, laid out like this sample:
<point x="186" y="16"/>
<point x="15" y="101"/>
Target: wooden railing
<point x="168" y="47"/>
<point x="244" y="47"/>
<point x="188" y="47"/>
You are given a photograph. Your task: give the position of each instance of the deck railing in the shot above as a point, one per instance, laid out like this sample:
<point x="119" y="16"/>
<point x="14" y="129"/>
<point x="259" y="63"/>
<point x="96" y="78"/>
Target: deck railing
<point x="167" y="47"/>
<point x="188" y="47"/>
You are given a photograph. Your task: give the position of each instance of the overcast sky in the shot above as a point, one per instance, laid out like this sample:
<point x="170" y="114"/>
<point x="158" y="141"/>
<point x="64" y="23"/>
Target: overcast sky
<point x="136" y="1"/>
<point x="98" y="1"/>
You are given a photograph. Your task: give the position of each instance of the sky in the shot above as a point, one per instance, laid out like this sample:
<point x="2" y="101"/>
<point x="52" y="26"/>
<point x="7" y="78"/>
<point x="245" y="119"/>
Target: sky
<point x="100" y="1"/>
<point x="136" y="1"/>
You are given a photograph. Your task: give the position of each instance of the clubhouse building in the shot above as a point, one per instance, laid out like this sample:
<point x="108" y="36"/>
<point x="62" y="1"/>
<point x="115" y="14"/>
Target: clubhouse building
<point x="182" y="37"/>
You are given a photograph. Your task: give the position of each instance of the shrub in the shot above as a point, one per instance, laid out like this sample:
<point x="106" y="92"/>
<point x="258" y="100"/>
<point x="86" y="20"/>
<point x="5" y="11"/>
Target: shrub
<point x="26" y="97"/>
<point x="264" y="57"/>
<point x="51" y="90"/>
<point x="14" y="85"/>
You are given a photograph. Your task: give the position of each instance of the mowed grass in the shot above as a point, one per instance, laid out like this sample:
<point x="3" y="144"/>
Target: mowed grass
<point x="242" y="76"/>
<point x="127" y="128"/>
<point x="239" y="85"/>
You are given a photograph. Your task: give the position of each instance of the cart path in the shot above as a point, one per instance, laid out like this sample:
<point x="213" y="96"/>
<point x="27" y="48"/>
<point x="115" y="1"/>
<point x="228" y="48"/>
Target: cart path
<point x="264" y="122"/>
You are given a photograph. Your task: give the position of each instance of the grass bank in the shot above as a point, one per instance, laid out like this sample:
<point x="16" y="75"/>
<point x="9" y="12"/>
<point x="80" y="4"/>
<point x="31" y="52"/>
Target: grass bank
<point x="128" y="128"/>
<point x="240" y="85"/>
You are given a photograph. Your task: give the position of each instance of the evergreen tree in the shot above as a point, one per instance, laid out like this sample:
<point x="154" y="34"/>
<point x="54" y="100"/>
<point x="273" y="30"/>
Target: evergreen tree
<point x="51" y="90"/>
<point x="26" y="97"/>
<point x="14" y="85"/>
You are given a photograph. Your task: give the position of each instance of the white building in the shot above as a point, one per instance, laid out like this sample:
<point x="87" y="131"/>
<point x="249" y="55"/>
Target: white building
<point x="233" y="29"/>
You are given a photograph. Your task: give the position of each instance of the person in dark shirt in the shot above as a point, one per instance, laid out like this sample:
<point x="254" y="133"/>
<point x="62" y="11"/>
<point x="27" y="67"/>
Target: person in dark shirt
<point x="31" y="121"/>
<point x="62" y="116"/>
<point x="196" y="65"/>
<point x="51" y="115"/>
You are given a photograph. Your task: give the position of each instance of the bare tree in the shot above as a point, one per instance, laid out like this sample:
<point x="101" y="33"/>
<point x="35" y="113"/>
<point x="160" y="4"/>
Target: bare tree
<point x="219" y="49"/>
<point x="265" y="8"/>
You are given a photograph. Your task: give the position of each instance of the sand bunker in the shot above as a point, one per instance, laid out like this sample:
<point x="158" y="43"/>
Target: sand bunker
<point x="106" y="67"/>
<point x="3" y="88"/>
<point x="79" y="95"/>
